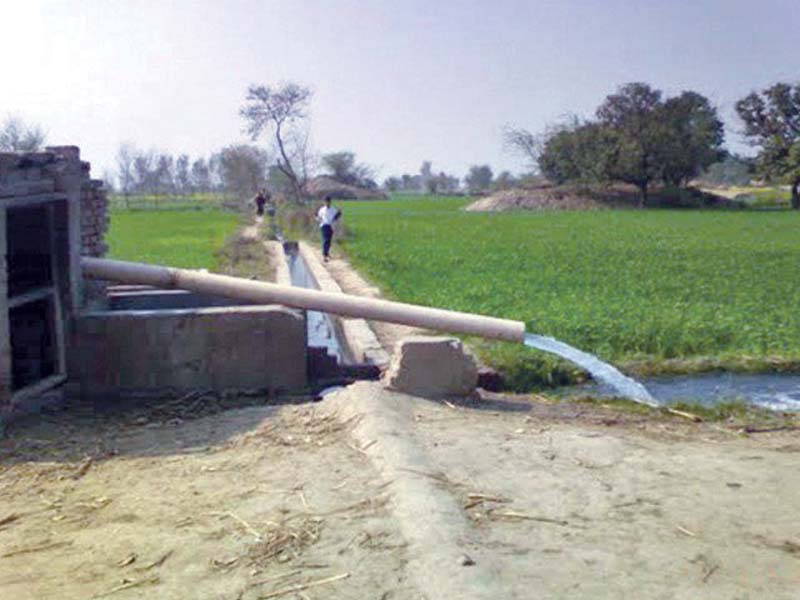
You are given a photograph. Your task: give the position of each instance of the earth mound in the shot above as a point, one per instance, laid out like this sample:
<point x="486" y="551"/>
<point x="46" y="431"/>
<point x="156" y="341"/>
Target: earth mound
<point x="574" y="197"/>
<point x="319" y="187"/>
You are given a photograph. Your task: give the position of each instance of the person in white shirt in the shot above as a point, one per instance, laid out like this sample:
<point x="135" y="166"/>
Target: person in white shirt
<point x="327" y="215"/>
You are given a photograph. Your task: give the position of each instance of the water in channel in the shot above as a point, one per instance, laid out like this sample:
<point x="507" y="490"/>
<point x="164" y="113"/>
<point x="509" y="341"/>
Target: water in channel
<point x="321" y="331"/>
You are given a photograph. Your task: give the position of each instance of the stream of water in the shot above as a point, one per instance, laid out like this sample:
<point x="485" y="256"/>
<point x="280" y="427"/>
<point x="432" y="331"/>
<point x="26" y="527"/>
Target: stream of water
<point x="600" y="371"/>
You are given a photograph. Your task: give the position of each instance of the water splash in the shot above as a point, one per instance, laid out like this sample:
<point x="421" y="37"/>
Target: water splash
<point x="600" y="371"/>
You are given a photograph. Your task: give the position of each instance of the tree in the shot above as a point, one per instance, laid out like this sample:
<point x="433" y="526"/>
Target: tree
<point x="691" y="138"/>
<point x="631" y="115"/>
<point x="144" y="172"/>
<point x="282" y="110"/>
<point x="447" y="184"/>
<point x="109" y="182"/>
<point x="165" y="174"/>
<point x="200" y="176"/>
<point x="392" y="184"/>
<point x="637" y="138"/>
<point x="524" y="143"/>
<point x="342" y="167"/>
<point x="772" y="124"/>
<point x="243" y="169"/>
<point x="479" y="179"/>
<point x="182" y="178"/>
<point x="17" y="136"/>
<point x="579" y="152"/>
<point x="125" y="172"/>
<point x="732" y="170"/>
<point x="504" y="181"/>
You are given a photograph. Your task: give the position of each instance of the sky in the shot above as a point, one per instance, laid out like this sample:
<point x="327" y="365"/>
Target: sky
<point x="395" y="81"/>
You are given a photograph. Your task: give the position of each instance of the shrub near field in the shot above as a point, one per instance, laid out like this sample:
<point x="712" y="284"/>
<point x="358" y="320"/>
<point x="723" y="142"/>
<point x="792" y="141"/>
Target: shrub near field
<point x="189" y="238"/>
<point x="629" y="285"/>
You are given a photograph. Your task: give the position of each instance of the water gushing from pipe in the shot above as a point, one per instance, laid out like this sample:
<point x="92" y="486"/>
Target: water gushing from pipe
<point x="603" y="372"/>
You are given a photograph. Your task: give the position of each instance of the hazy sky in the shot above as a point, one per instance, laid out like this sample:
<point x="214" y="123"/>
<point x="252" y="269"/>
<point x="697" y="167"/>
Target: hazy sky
<point x="395" y="81"/>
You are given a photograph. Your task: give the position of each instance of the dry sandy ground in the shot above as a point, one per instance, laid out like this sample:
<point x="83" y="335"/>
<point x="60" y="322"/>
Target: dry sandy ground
<point x="582" y="502"/>
<point x="568" y="501"/>
<point x="237" y="504"/>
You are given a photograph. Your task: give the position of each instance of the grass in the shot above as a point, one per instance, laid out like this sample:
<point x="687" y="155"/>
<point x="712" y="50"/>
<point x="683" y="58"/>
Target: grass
<point x="245" y="257"/>
<point x="635" y="287"/>
<point x="180" y="202"/>
<point x="180" y="238"/>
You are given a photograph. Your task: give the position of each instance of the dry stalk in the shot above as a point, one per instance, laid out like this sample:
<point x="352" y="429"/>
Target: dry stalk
<point x="156" y="563"/>
<point x="304" y="586"/>
<point x="37" y="548"/>
<point x="685" y="415"/>
<point x="247" y="527"/>
<point x="285" y="539"/>
<point x="9" y="519"/>
<point x="523" y="516"/>
<point x="685" y="531"/>
<point x="126" y="585"/>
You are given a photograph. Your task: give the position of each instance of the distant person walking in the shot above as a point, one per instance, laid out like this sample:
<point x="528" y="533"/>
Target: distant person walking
<point x="327" y="215"/>
<point x="261" y="200"/>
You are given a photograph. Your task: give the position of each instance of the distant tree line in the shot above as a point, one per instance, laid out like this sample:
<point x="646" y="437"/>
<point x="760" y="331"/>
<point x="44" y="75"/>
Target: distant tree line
<point x="637" y="136"/>
<point x="425" y="181"/>
<point x="238" y="170"/>
<point x="480" y="179"/>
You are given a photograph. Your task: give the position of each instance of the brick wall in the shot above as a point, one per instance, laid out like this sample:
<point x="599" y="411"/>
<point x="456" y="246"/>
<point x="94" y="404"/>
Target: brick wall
<point x="59" y="170"/>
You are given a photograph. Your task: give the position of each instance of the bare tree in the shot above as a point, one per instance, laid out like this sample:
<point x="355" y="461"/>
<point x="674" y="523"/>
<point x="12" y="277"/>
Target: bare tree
<point x="182" y="178"/>
<point x="200" y="176"/>
<point x="144" y="170"/>
<point x="109" y="181"/>
<point x="281" y="110"/>
<point x="125" y="173"/>
<point x="17" y="136"/>
<point x="165" y="174"/>
<point x="523" y="143"/>
<point x="243" y="169"/>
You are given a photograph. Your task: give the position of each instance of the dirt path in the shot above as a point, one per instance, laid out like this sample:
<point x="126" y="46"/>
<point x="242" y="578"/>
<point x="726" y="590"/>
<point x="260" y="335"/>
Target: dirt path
<point x="235" y="504"/>
<point x="352" y="282"/>
<point x="584" y="502"/>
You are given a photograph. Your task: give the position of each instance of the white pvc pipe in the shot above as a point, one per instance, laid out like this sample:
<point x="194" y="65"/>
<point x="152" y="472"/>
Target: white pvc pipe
<point x="345" y="305"/>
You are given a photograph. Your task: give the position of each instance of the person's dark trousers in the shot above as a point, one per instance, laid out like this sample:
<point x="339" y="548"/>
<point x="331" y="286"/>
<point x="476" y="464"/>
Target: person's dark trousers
<point x="327" y="236"/>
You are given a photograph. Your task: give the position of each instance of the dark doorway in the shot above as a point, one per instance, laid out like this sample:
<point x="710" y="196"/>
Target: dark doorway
<point x="29" y="249"/>
<point x="33" y="350"/>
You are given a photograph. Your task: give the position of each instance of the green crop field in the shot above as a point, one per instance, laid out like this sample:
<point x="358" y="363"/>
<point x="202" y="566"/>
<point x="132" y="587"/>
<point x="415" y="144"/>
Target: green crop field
<point x="649" y="290"/>
<point x="163" y="202"/>
<point x="187" y="238"/>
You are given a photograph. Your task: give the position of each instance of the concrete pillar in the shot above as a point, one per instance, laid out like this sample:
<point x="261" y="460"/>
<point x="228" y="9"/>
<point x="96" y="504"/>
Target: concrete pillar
<point x="5" y="335"/>
<point x="68" y="179"/>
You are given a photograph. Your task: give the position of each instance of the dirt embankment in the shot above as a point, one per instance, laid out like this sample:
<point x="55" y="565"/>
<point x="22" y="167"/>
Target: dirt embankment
<point x="574" y="197"/>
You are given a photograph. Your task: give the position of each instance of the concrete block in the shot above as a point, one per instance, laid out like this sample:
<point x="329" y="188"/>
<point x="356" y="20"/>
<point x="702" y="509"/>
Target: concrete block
<point x="362" y="343"/>
<point x="432" y="367"/>
<point x="117" y="353"/>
